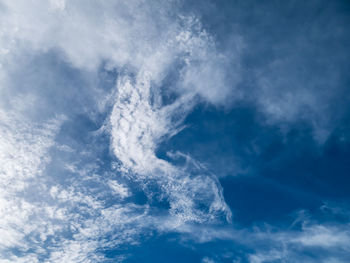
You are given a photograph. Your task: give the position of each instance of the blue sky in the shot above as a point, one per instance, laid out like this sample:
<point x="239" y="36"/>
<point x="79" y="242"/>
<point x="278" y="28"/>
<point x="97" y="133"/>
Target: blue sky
<point x="174" y="131"/>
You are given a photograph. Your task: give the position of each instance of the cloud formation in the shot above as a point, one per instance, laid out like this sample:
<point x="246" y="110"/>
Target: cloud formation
<point x="57" y="218"/>
<point x="88" y="93"/>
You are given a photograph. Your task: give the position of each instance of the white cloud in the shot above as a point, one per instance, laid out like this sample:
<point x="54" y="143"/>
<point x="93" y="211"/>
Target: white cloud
<point x="132" y="34"/>
<point x="119" y="189"/>
<point x="289" y="89"/>
<point x="325" y="237"/>
<point x="271" y="256"/>
<point x="64" y="220"/>
<point x="54" y="215"/>
<point x="207" y="260"/>
<point x="137" y="128"/>
<point x="331" y="241"/>
<point x="23" y="156"/>
<point x="311" y="242"/>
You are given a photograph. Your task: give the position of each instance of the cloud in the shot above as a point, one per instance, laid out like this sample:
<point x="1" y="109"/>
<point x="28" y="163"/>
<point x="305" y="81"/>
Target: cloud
<point x="322" y="241"/>
<point x="119" y="189"/>
<point x="61" y="200"/>
<point x="76" y="149"/>
<point x="300" y="73"/>
<point x="307" y="239"/>
<point x="24" y="154"/>
<point x="294" y="60"/>
<point x="45" y="220"/>
<point x="137" y="127"/>
<point x="140" y="120"/>
<point x="132" y="35"/>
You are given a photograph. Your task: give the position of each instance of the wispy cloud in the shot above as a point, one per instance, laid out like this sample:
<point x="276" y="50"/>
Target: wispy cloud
<point x="138" y="126"/>
<point x="49" y="209"/>
<point x="74" y="150"/>
<point x="310" y="241"/>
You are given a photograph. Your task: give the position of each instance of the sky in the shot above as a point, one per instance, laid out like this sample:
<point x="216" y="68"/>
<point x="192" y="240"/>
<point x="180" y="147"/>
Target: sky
<point x="174" y="131"/>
